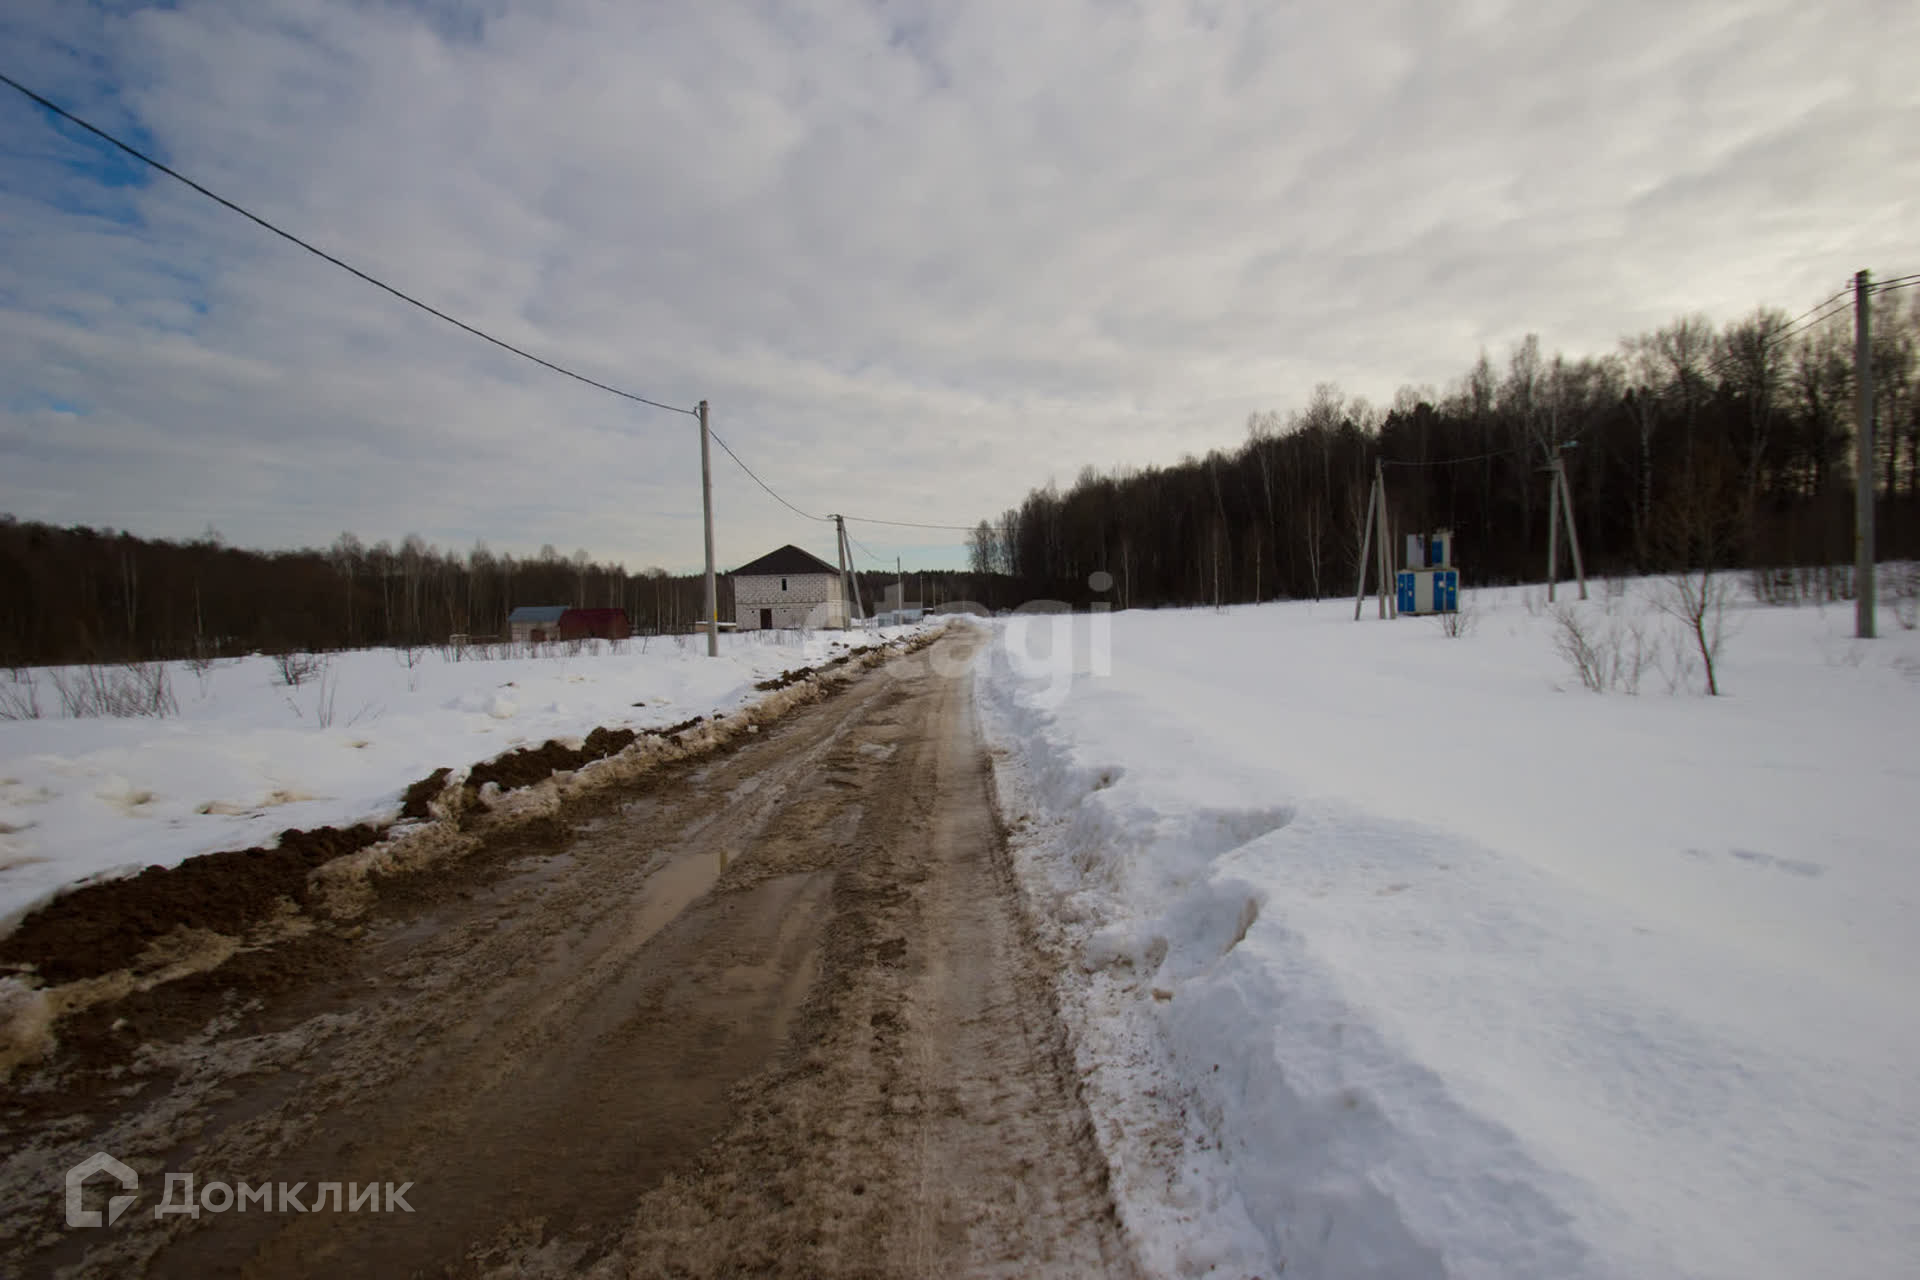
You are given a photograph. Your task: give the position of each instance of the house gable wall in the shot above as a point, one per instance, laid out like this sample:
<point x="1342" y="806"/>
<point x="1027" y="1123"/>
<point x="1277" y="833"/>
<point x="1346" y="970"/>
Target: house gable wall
<point x="809" y="600"/>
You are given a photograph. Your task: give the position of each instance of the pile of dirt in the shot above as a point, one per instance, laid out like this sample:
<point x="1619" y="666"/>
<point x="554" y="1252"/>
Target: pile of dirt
<point x="798" y="674"/>
<point x="99" y="928"/>
<point x="414" y="803"/>
<point x="529" y="765"/>
<point x="785" y="678"/>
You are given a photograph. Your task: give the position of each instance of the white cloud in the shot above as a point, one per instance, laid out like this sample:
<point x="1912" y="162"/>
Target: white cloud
<point x="919" y="258"/>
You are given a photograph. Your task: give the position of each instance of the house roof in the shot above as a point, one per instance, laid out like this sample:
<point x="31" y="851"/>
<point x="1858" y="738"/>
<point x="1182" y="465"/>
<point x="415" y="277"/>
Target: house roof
<point x="537" y="613"/>
<point x="788" y="559"/>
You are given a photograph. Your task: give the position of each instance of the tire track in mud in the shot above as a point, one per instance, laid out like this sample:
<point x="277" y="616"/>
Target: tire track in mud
<point x="780" y="1016"/>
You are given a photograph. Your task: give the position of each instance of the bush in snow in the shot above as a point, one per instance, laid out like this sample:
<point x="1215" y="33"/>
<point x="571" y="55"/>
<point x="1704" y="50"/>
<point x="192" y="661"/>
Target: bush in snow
<point x="130" y="689"/>
<point x="20" y="696"/>
<point x="297" y="667"/>
<point x="1698" y="601"/>
<point x="1460" y="622"/>
<point x="1903" y="582"/>
<point x="1609" y="655"/>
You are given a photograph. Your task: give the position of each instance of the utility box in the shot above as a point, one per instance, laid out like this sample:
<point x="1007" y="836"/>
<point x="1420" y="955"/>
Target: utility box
<point x="1429" y="583"/>
<point x="1430" y="550"/>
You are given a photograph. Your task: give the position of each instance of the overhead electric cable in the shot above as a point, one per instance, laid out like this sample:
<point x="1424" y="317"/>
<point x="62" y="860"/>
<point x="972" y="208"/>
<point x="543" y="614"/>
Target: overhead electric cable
<point x="1794" y="331"/>
<point x="1447" y="462"/>
<point x="762" y="483"/>
<point x="913" y="524"/>
<point x="1846" y="291"/>
<point x="144" y="158"/>
<point x="863" y="551"/>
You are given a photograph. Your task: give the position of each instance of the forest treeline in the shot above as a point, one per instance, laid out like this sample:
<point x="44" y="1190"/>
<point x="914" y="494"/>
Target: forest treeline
<point x="99" y="595"/>
<point x="1688" y="444"/>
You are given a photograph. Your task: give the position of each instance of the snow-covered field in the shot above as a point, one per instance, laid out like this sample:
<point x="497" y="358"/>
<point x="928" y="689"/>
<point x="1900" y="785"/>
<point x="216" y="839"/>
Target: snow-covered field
<point x="1408" y="956"/>
<point x="247" y="756"/>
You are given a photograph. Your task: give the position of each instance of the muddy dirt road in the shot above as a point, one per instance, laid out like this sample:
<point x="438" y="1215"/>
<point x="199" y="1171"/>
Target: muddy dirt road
<point x="774" y="1014"/>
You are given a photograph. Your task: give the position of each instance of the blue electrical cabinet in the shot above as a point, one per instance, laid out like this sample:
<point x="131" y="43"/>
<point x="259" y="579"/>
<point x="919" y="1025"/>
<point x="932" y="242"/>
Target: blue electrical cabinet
<point x="1429" y="583"/>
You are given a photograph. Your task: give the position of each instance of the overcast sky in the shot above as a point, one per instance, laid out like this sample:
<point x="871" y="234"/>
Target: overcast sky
<point x="919" y="257"/>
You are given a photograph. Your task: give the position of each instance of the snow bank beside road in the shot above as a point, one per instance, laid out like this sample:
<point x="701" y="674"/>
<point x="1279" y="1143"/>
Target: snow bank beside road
<point x="248" y="757"/>
<point x="1459" y="973"/>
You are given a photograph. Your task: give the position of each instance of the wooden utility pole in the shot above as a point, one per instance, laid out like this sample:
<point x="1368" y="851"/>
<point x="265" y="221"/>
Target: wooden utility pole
<point x="1385" y="551"/>
<point x="1573" y="532"/>
<point x="1366" y="544"/>
<point x="1863" y="603"/>
<point x="1373" y="541"/>
<point x="1559" y="508"/>
<point x="706" y="505"/>
<point x="1553" y="526"/>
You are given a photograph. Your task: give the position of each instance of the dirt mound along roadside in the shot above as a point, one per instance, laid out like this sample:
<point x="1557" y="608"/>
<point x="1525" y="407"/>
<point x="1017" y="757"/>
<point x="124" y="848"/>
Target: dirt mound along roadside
<point x="99" y="928"/>
<point x="102" y="928"/>
<point x="529" y="765"/>
<point x="415" y="804"/>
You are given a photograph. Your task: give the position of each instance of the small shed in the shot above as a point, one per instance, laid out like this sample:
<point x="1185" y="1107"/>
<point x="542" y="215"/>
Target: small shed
<point x="786" y="589"/>
<point x="534" y="623"/>
<point x="597" y="624"/>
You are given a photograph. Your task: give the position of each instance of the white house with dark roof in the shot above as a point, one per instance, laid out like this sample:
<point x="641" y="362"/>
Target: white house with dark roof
<point x="786" y="589"/>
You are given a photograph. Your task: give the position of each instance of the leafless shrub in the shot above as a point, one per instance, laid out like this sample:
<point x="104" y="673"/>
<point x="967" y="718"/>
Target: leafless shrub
<point x="328" y="685"/>
<point x="295" y="668"/>
<point x="1577" y="642"/>
<point x="1775" y="586"/>
<point x="129" y="689"/>
<point x="1676" y="662"/>
<point x="20" y="696"/>
<point x="1904" y="595"/>
<point x="1607" y="657"/>
<point x="1697" y="600"/>
<point x="1460" y="622"/>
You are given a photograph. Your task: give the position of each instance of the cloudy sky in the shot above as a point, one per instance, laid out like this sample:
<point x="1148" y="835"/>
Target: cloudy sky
<point x="920" y="257"/>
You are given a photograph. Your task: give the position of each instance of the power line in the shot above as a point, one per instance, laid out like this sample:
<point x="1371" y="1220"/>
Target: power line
<point x="1890" y="286"/>
<point x="868" y="554"/>
<point x="913" y="524"/>
<point x="1447" y="462"/>
<point x="144" y="158"/>
<point x="1845" y="292"/>
<point x="762" y="483"/>
<point x="1796" y="329"/>
<point x="1895" y="281"/>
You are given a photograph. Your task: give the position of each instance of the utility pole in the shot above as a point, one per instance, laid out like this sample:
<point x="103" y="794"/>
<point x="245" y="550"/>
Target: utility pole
<point x="900" y="592"/>
<point x="1560" y="507"/>
<point x="1366" y="543"/>
<point x="1386" y="551"/>
<point x="1373" y="541"/>
<point x="706" y="504"/>
<point x="1566" y="505"/>
<point x="1553" y="525"/>
<point x="840" y="550"/>
<point x="1863" y="602"/>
